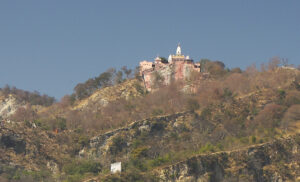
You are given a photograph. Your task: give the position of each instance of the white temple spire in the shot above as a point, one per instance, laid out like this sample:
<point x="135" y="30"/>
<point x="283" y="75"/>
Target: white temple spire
<point x="178" y="50"/>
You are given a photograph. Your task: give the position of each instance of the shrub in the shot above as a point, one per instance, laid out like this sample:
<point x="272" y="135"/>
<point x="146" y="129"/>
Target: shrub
<point x="140" y="164"/>
<point x="206" y="113"/>
<point x="41" y="175"/>
<point x="227" y="94"/>
<point x="160" y="160"/>
<point x="164" y="60"/>
<point x="291" y="115"/>
<point x="236" y="70"/>
<point x="118" y="144"/>
<point x="270" y="116"/>
<point x="136" y="143"/>
<point x="62" y="124"/>
<point x="192" y="105"/>
<point x="139" y="88"/>
<point x="16" y="174"/>
<point x="157" y="112"/>
<point x="83" y="140"/>
<point x="131" y="175"/>
<point x="208" y="147"/>
<point x="292" y="98"/>
<point x="215" y="68"/>
<point x="76" y="169"/>
<point x="253" y="139"/>
<point x="244" y="140"/>
<point x="281" y="96"/>
<point x="193" y="166"/>
<point x="220" y="146"/>
<point x="157" y="126"/>
<point x="24" y="114"/>
<point x="139" y="152"/>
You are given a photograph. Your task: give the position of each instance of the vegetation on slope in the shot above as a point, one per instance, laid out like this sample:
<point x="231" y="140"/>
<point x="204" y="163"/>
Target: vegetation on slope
<point x="33" y="98"/>
<point x="228" y="109"/>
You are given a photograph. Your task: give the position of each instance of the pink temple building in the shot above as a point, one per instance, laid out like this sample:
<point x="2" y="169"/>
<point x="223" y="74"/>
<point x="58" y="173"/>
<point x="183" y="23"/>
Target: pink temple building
<point x="177" y="67"/>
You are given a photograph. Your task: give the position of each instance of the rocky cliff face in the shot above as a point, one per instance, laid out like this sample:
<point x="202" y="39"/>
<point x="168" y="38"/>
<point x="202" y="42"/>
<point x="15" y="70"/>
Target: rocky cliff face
<point x="276" y="161"/>
<point x="27" y="148"/>
<point x="166" y="73"/>
<point x="8" y="106"/>
<point x="99" y="146"/>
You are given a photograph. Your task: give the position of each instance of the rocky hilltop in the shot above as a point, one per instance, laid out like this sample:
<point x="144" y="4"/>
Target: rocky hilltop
<point x="126" y="90"/>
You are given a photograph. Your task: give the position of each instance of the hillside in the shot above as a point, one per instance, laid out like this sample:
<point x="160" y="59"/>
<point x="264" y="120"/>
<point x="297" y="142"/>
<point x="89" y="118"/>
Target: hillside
<point x="231" y="125"/>
<point x="126" y="90"/>
<point x="273" y="161"/>
<point x="277" y="160"/>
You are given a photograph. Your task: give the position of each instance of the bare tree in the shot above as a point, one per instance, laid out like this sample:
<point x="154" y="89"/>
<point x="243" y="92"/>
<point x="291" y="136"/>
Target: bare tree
<point x="273" y="63"/>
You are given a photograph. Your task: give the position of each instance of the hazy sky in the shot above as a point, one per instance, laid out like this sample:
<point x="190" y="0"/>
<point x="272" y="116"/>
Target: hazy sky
<point x="52" y="45"/>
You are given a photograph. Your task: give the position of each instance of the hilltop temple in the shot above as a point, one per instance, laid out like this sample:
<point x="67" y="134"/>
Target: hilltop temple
<point x="177" y="67"/>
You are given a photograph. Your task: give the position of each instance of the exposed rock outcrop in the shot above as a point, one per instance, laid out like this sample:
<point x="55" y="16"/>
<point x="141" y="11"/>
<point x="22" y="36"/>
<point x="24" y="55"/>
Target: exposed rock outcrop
<point x="126" y="90"/>
<point x="275" y="161"/>
<point x="8" y="106"/>
<point x="99" y="145"/>
<point x="13" y="141"/>
<point x="29" y="148"/>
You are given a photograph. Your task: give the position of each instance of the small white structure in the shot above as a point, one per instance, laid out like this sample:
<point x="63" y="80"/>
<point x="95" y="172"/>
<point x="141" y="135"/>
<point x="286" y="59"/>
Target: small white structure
<point x="170" y="58"/>
<point x="115" y="167"/>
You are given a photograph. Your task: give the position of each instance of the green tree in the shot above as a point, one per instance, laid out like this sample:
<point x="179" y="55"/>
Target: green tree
<point x="126" y="71"/>
<point x="164" y="60"/>
<point x="119" y="77"/>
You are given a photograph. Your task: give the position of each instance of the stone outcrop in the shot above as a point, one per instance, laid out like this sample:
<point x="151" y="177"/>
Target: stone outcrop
<point x="276" y="161"/>
<point x="125" y="90"/>
<point x="13" y="141"/>
<point x="99" y="145"/>
<point x="8" y="106"/>
<point x="28" y="148"/>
